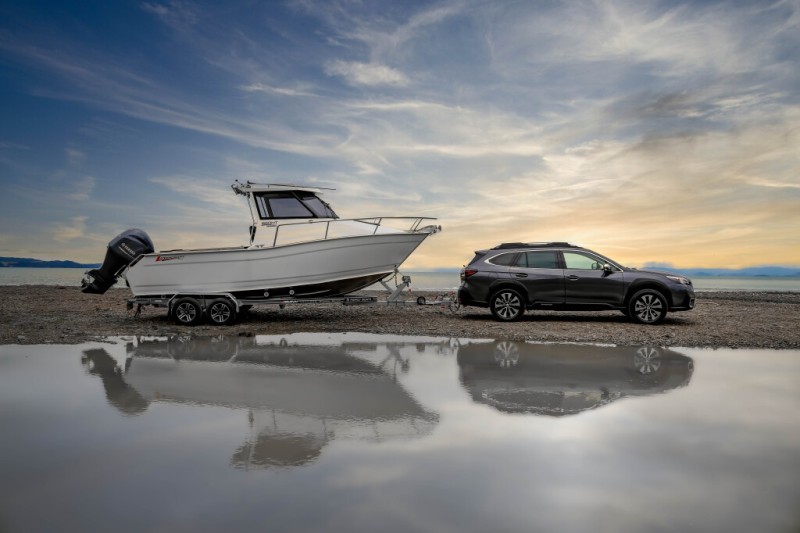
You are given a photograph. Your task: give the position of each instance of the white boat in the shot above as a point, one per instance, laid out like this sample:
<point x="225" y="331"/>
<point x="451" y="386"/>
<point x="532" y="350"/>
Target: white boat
<point x="298" y="248"/>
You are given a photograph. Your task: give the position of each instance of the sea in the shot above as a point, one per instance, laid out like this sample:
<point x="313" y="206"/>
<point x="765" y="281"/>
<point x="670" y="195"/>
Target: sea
<point x="423" y="281"/>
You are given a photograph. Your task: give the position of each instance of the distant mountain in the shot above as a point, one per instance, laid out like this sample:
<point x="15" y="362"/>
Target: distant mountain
<point x="20" y="262"/>
<point x="758" y="271"/>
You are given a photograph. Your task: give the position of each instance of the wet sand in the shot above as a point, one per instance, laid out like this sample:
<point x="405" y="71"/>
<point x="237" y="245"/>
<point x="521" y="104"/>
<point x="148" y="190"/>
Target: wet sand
<point x="49" y="314"/>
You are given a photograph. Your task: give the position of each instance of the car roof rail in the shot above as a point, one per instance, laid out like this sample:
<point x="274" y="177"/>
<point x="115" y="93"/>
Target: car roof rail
<point x="508" y="245"/>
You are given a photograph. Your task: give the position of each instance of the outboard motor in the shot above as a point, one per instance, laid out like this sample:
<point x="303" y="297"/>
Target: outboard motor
<point x="122" y="250"/>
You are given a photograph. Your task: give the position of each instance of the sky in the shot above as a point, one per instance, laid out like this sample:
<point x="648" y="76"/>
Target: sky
<point x="649" y="131"/>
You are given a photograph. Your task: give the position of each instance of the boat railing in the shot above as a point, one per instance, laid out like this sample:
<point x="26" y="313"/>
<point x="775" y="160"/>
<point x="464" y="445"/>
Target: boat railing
<point x="415" y="225"/>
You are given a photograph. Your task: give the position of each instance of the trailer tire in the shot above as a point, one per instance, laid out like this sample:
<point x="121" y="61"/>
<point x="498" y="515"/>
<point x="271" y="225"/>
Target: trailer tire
<point x="187" y="311"/>
<point x="221" y="312"/>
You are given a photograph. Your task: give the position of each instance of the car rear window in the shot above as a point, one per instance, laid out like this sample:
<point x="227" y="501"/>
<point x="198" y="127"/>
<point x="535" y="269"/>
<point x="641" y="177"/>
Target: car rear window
<point x="503" y="259"/>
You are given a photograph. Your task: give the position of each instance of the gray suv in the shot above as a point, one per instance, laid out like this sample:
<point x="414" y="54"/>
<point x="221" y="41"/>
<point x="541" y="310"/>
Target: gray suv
<point x="513" y="277"/>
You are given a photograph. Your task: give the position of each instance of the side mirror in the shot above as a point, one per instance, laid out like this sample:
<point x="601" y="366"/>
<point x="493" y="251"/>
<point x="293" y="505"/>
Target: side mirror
<point x="607" y="267"/>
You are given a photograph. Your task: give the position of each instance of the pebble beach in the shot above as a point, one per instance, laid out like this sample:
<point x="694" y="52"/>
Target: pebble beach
<point x="39" y="314"/>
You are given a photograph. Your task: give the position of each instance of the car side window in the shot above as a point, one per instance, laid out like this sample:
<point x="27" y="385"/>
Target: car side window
<point x="542" y="259"/>
<point x="503" y="259"/>
<point x="578" y="261"/>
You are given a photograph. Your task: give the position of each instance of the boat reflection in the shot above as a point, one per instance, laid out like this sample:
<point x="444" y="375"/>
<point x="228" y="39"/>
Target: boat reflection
<point x="297" y="398"/>
<point x="558" y="380"/>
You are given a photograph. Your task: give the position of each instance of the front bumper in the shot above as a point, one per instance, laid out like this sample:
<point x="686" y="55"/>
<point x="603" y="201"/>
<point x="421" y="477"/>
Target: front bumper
<point x="683" y="298"/>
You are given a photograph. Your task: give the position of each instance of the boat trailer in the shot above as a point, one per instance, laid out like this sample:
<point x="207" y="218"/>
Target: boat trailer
<point x="222" y="309"/>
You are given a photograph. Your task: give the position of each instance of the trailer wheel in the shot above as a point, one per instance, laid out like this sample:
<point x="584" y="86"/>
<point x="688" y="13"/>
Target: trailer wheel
<point x="221" y="312"/>
<point x="421" y="300"/>
<point x="187" y="311"/>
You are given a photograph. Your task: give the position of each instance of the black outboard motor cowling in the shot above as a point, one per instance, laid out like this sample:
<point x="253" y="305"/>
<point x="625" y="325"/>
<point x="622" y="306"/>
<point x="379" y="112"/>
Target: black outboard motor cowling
<point x="122" y="250"/>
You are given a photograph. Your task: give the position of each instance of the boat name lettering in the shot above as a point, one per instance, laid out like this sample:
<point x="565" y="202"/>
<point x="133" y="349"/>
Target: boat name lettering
<point x="161" y="258"/>
<point x="269" y="223"/>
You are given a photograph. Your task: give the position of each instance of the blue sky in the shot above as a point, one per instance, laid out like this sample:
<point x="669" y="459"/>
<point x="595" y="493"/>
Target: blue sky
<point x="650" y="131"/>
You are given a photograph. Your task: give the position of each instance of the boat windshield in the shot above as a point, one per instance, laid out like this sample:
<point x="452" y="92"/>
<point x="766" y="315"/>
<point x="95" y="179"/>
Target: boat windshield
<point x="292" y="204"/>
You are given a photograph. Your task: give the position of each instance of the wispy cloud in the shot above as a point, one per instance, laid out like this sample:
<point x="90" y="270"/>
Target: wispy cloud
<point x="71" y="230"/>
<point x="356" y="73"/>
<point x="175" y="13"/>
<point x="264" y="88"/>
<point x="82" y="188"/>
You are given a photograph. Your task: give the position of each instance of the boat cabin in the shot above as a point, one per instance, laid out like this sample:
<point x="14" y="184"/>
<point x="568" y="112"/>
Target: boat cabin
<point x="280" y="202"/>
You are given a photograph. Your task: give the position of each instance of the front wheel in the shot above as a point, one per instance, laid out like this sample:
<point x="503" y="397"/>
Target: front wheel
<point x="506" y="305"/>
<point x="647" y="306"/>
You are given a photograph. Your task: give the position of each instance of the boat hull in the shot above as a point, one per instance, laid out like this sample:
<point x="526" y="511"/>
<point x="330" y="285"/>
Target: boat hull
<point x="324" y="268"/>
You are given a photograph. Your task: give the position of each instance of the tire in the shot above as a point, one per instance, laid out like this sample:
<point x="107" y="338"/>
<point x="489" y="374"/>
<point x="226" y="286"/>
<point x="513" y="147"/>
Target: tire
<point x="221" y="312"/>
<point x="648" y="306"/>
<point x="187" y="311"/>
<point x="507" y="305"/>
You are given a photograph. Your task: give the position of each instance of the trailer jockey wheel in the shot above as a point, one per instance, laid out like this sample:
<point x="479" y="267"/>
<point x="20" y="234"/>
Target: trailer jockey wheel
<point x="221" y="312"/>
<point x="187" y="311"/>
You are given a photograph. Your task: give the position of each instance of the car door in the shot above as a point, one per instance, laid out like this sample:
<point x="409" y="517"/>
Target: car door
<point x="587" y="283"/>
<point x="541" y="274"/>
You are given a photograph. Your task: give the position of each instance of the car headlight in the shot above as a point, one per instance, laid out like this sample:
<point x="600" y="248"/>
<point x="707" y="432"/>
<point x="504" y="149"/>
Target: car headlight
<point x="680" y="279"/>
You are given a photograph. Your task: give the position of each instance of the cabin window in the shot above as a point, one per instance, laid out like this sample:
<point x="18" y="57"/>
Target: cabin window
<point x="292" y="205"/>
<point x="262" y="207"/>
<point x="317" y="206"/>
<point x="288" y="207"/>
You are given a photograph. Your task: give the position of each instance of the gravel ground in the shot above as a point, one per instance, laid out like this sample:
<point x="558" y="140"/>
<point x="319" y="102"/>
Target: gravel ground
<point x="36" y="314"/>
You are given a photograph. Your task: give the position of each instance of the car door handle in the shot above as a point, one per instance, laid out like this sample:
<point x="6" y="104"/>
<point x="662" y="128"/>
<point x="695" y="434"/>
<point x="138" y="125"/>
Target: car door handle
<point x="521" y="275"/>
<point x="573" y="277"/>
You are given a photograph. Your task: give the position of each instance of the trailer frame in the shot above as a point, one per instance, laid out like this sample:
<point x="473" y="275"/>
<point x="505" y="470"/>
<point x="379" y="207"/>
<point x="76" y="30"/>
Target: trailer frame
<point x="222" y="309"/>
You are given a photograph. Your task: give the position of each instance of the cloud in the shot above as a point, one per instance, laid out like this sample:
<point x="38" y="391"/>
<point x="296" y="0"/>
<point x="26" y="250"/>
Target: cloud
<point x="75" y="229"/>
<point x="356" y="73"/>
<point x="82" y="189"/>
<point x="74" y="157"/>
<point x="772" y="184"/>
<point x="174" y="13"/>
<point x="264" y="88"/>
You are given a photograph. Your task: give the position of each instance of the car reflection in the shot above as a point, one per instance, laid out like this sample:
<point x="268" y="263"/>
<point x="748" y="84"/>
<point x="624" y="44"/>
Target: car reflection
<point x="558" y="380"/>
<point x="297" y="398"/>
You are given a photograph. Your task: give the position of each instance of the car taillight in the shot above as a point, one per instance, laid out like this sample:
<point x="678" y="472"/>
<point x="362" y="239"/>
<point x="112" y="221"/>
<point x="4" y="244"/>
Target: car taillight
<point x="467" y="272"/>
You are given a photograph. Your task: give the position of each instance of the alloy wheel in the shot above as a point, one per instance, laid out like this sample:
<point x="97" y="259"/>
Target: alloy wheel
<point x="186" y="313"/>
<point x="507" y="305"/>
<point x="648" y="308"/>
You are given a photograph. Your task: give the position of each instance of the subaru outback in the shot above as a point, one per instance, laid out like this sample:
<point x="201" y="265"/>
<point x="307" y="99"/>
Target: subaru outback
<point x="514" y="277"/>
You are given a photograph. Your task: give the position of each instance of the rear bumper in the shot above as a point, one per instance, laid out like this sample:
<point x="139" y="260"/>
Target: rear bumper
<point x="465" y="299"/>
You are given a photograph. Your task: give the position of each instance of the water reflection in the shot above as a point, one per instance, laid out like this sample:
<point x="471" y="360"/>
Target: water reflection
<point x="298" y="398"/>
<point x="172" y="424"/>
<point x="558" y="380"/>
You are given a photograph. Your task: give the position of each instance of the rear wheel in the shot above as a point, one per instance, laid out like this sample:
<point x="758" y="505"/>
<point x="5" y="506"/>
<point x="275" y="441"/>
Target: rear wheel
<point x="647" y="306"/>
<point x="221" y="312"/>
<point x="507" y="305"/>
<point x="187" y="311"/>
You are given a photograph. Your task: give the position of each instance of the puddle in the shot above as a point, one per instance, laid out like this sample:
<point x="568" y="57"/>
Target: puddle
<point x="359" y="432"/>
